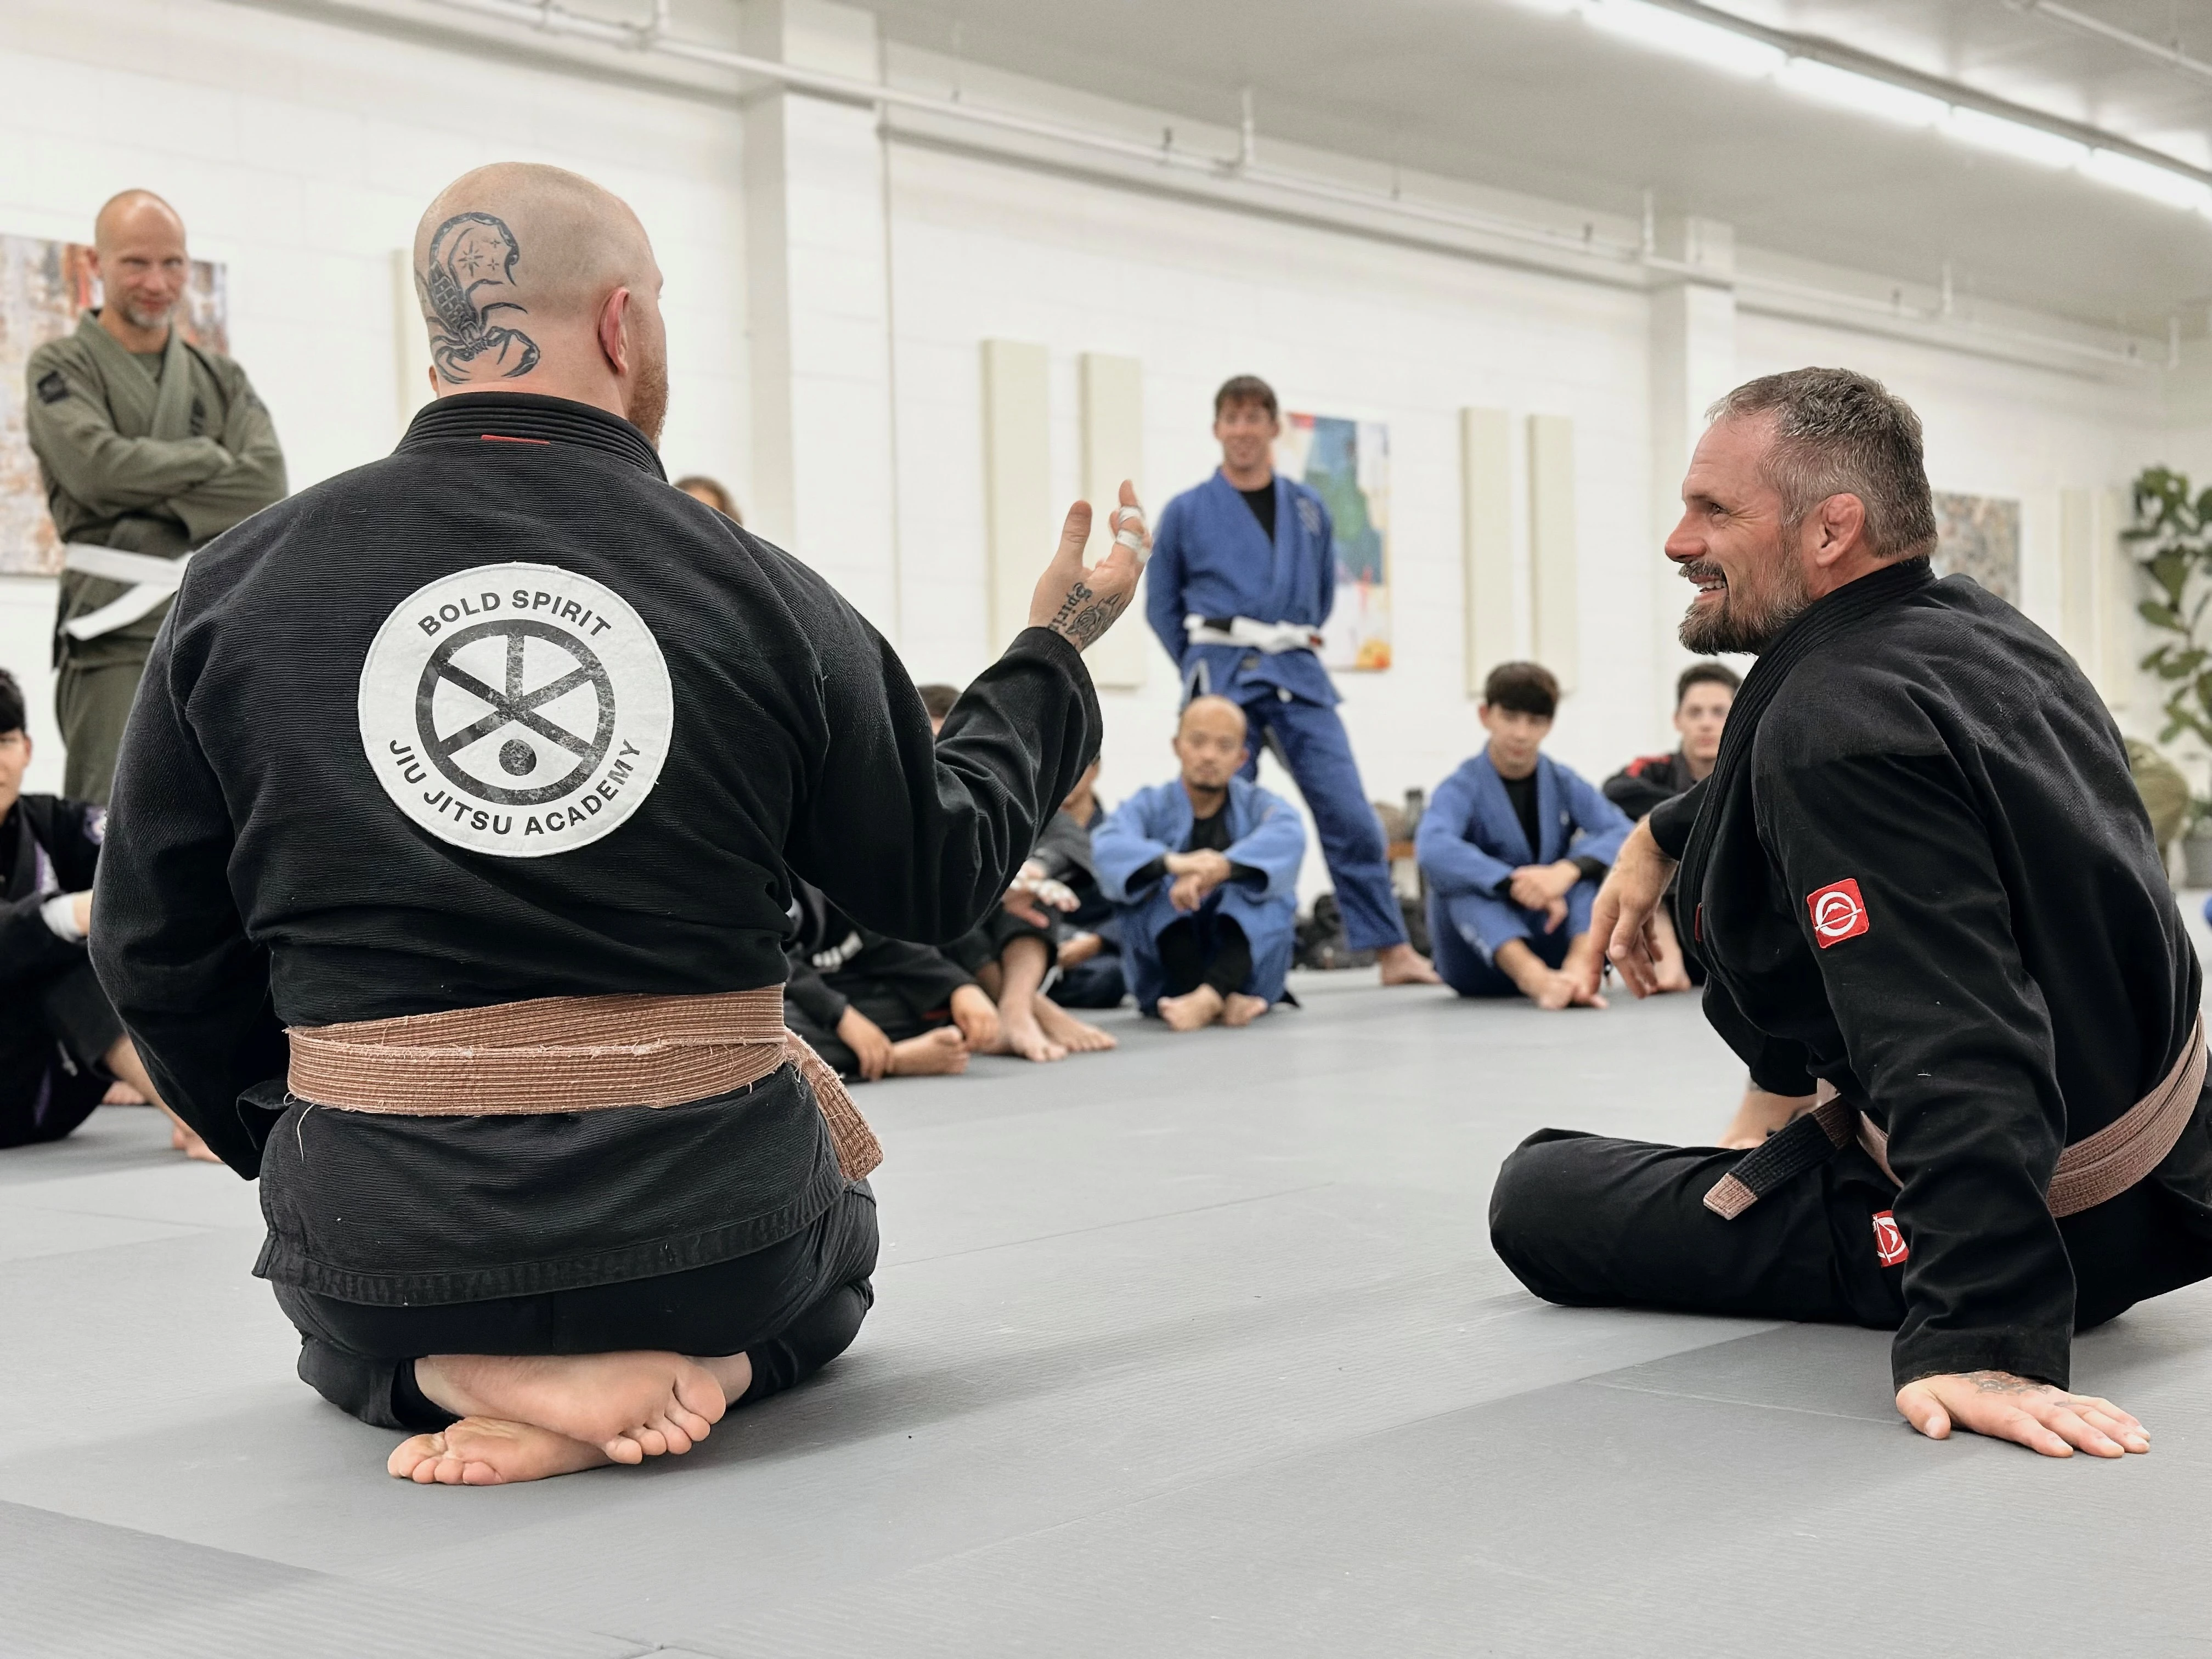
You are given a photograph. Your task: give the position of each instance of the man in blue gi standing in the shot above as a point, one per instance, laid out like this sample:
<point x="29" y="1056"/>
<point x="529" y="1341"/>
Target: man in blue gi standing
<point x="1243" y="576"/>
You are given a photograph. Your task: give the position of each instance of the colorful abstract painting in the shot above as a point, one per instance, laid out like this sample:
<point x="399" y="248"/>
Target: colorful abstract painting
<point x="1348" y="464"/>
<point x="1979" y="536"/>
<point x="43" y="287"/>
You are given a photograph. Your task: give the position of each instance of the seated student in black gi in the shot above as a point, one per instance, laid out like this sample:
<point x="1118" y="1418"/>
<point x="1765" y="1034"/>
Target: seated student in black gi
<point x="1704" y="693"/>
<point x="62" y="1049"/>
<point x="1936" y="931"/>
<point x="877" y="1007"/>
<point x="1088" y="938"/>
<point x="1009" y="952"/>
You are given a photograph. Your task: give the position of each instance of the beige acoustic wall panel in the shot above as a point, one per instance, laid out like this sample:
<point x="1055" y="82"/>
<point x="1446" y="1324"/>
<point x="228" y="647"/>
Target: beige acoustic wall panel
<point x="410" y="382"/>
<point x="2079" y="623"/>
<point x="1551" y="547"/>
<point x="1019" y="530"/>
<point x="1485" y="470"/>
<point x="2120" y="592"/>
<point x="1113" y="390"/>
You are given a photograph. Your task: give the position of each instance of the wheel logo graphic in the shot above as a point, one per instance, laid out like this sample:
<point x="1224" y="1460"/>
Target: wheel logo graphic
<point x="532" y="738"/>
<point x="517" y="709"/>
<point x="1838" y="913"/>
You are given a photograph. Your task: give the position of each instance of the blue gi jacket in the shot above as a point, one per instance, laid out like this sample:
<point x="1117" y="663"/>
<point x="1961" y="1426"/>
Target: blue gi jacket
<point x="1210" y="559"/>
<point x="1265" y="833"/>
<point x="1471" y="841"/>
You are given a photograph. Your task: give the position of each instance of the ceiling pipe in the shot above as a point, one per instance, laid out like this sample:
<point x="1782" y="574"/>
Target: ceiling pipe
<point x="2172" y="56"/>
<point x="1622" y="259"/>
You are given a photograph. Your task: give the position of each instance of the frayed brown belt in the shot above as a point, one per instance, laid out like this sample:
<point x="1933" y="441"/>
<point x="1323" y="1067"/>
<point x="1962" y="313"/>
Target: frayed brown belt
<point x="2089" y="1171"/>
<point x="571" y="1055"/>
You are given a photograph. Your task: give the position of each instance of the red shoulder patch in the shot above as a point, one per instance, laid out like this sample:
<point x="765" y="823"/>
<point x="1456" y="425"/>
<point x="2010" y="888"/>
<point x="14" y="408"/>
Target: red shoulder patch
<point x="1838" y="913"/>
<point x="1635" y="768"/>
<point x="1889" y="1246"/>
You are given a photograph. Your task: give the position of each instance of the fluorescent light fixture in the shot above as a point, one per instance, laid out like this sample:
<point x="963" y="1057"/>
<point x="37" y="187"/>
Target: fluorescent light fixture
<point x="2014" y="138"/>
<point x="2125" y="173"/>
<point x="1705" y="42"/>
<point x="1862" y="93"/>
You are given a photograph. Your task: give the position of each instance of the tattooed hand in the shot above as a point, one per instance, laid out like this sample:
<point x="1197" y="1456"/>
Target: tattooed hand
<point x="2038" y="1416"/>
<point x="468" y="274"/>
<point x="1081" y="602"/>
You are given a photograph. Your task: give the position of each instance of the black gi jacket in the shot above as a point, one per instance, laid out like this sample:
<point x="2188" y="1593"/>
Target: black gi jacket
<point x="832" y="955"/>
<point x="48" y="846"/>
<point x="1646" y="781"/>
<point x="256" y="867"/>
<point x="2011" y="972"/>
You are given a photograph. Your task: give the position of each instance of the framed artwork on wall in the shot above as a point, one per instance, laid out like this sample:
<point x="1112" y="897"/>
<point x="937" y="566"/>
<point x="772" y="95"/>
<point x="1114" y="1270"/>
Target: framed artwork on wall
<point x="44" y="285"/>
<point x="1348" y="464"/>
<point x="1979" y="536"/>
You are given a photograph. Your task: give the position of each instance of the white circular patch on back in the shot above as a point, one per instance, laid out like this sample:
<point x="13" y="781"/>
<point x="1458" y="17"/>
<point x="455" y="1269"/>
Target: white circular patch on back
<point x="516" y="709"/>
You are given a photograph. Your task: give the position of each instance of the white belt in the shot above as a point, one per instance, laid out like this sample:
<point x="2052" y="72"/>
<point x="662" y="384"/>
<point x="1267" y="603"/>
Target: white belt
<point x="153" y="581"/>
<point x="1269" y="639"/>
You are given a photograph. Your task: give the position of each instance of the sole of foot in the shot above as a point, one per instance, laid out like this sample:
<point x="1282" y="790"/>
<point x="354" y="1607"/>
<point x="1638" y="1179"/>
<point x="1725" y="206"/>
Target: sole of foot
<point x="941" y="1052"/>
<point x="1240" y="1010"/>
<point x="1192" y="1012"/>
<point x="1074" y="1034"/>
<point x="188" y="1142"/>
<point x="484" y="1452"/>
<point x="630" y="1405"/>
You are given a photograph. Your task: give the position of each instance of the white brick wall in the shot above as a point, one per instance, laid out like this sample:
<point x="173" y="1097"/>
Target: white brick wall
<point x="300" y="154"/>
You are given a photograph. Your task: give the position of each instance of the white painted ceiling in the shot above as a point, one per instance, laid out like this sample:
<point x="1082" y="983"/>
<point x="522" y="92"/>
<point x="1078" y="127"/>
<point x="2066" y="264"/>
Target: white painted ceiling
<point x="1499" y="93"/>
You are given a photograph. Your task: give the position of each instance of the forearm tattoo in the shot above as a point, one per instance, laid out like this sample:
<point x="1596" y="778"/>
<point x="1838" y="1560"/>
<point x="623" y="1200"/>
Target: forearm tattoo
<point x="470" y="264"/>
<point x="1083" y="616"/>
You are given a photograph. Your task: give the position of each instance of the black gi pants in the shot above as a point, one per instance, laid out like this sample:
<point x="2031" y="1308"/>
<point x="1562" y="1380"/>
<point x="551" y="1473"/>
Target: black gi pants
<point x="791" y="1308"/>
<point x="1589" y="1221"/>
<point x="885" y="1003"/>
<point x="1206" y="948"/>
<point x="53" y="1038"/>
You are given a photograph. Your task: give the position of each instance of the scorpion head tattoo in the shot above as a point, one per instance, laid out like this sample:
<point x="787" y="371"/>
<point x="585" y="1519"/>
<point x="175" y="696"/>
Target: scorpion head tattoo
<point x="470" y="262"/>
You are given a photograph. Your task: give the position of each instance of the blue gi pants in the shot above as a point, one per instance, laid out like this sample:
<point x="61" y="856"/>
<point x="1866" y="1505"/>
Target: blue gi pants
<point x="1310" y="741"/>
<point x="1466" y="929"/>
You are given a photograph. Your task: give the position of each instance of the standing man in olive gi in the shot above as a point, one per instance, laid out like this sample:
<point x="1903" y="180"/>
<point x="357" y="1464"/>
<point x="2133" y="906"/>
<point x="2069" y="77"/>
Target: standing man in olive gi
<point x="150" y="445"/>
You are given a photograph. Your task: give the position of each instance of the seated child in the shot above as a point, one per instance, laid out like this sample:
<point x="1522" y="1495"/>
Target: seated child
<point x="1513" y="846"/>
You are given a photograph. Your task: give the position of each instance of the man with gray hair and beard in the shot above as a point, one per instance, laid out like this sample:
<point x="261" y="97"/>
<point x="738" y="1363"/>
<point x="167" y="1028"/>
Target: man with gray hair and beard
<point x="1938" y="934"/>
<point x="484" y="772"/>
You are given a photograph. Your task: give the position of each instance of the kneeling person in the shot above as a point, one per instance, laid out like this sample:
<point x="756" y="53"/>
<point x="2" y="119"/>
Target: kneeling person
<point x="1205" y="872"/>
<point x="580" y="732"/>
<point x="1512" y="847"/>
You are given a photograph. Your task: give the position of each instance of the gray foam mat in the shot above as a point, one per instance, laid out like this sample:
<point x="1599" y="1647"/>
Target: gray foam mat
<point x="1197" y="1347"/>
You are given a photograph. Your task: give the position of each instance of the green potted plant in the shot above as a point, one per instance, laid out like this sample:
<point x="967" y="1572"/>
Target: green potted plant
<point x="2171" y="536"/>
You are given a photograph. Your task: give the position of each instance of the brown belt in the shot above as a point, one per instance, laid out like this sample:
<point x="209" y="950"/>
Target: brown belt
<point x="2089" y="1171"/>
<point x="571" y="1055"/>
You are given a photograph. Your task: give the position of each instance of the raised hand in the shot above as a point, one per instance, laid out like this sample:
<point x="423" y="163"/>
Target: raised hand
<point x="2032" y="1414"/>
<point x="1080" y="602"/>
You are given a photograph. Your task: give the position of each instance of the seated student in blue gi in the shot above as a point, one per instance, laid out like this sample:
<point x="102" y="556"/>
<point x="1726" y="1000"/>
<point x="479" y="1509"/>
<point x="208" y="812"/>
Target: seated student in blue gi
<point x="1205" y="871"/>
<point x="1513" y="847"/>
<point x="1243" y="576"/>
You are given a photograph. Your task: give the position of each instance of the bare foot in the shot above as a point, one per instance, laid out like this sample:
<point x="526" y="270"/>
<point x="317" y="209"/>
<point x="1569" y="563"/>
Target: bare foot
<point x="484" y="1452"/>
<point x="940" y="1053"/>
<point x="1020" y="1034"/>
<point x="120" y="1093"/>
<point x="1401" y="965"/>
<point x="183" y="1137"/>
<point x="1072" y="1034"/>
<point x="1079" y="948"/>
<point x="1240" y="1010"/>
<point x="1192" y="1012"/>
<point x="631" y="1405"/>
